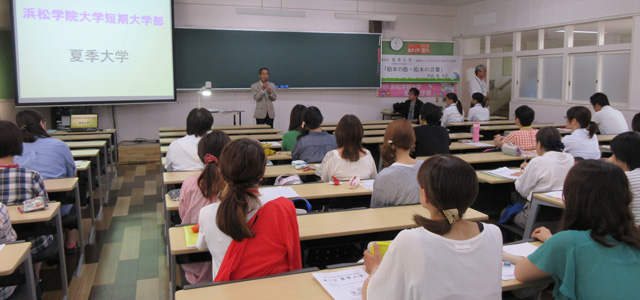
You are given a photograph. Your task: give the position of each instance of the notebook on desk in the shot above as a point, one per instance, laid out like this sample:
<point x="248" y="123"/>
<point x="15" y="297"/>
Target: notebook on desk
<point x="84" y="123"/>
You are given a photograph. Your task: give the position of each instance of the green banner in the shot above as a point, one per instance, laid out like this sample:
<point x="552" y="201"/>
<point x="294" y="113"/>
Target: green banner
<point x="436" y="48"/>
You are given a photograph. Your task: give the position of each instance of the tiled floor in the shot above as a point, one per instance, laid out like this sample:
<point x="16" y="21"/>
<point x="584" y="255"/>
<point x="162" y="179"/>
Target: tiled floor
<point x="128" y="259"/>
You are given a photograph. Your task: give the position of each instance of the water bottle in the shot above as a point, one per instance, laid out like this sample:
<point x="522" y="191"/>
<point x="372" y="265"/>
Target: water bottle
<point x="476" y="132"/>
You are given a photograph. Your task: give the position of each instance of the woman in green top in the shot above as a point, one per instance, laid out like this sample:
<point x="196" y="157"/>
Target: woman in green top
<point x="597" y="253"/>
<point x="295" y="125"/>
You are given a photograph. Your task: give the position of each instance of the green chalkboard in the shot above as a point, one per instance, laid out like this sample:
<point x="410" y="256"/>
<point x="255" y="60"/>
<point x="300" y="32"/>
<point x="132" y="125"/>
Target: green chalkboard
<point x="230" y="59"/>
<point x="7" y="78"/>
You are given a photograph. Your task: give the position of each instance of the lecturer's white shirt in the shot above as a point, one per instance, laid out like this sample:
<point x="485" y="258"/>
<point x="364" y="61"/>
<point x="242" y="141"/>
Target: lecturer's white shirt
<point x="477" y="85"/>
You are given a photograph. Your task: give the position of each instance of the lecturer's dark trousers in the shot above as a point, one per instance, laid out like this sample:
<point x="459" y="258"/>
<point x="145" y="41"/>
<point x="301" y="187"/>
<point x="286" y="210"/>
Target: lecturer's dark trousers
<point x="266" y="120"/>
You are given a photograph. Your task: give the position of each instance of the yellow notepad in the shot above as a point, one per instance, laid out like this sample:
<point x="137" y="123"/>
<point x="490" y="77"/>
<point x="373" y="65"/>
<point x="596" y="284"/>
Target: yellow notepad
<point x="190" y="237"/>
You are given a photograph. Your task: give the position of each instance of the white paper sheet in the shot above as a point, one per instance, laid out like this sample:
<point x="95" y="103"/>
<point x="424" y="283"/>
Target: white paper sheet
<point x="78" y="163"/>
<point x="1" y="247"/>
<point x="367" y="184"/>
<point x="556" y="194"/>
<point x="522" y="249"/>
<point x="504" y="172"/>
<point x="280" y="191"/>
<point x="480" y="144"/>
<point x="507" y="272"/>
<point x="343" y="285"/>
<point x="565" y="129"/>
<point x="273" y="143"/>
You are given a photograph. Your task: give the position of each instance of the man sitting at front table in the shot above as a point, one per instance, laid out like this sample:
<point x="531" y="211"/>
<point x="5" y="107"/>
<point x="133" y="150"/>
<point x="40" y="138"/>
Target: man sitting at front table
<point x="182" y="154"/>
<point x="609" y="119"/>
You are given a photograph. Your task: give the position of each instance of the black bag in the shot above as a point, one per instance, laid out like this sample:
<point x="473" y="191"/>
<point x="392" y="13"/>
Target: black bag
<point x="398" y="107"/>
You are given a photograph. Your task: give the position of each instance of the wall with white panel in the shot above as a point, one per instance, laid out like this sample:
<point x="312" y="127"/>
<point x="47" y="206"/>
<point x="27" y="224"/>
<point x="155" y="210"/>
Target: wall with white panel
<point x="477" y="20"/>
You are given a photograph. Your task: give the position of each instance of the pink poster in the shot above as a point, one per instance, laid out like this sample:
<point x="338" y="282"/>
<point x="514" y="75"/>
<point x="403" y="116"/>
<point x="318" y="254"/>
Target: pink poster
<point x="426" y="89"/>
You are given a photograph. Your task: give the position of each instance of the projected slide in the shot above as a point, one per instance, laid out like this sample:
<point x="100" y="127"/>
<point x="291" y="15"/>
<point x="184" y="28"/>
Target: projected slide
<point x="89" y="51"/>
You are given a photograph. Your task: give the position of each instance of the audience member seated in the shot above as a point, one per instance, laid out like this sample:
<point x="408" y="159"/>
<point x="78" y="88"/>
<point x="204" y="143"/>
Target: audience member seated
<point x="182" y="154"/>
<point x="582" y="142"/>
<point x="478" y="112"/>
<point x="431" y="138"/>
<point x="312" y="144"/>
<point x="350" y="158"/>
<point x="411" y="107"/>
<point x="525" y="137"/>
<point x="248" y="234"/>
<point x="596" y="253"/>
<point x="19" y="184"/>
<point x="52" y="159"/>
<point x="544" y="173"/>
<point x="446" y="257"/>
<point x="635" y="123"/>
<point x="396" y="184"/>
<point x="609" y="119"/>
<point x="453" y="112"/>
<point x="625" y="147"/>
<point x="295" y="126"/>
<point x="200" y="190"/>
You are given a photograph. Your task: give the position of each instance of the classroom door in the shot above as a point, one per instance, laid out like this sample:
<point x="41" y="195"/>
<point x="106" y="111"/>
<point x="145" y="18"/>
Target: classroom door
<point x="468" y="68"/>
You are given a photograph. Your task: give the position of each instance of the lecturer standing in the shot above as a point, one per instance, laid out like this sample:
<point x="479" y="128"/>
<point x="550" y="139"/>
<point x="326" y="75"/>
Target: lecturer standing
<point x="477" y="84"/>
<point x="264" y="92"/>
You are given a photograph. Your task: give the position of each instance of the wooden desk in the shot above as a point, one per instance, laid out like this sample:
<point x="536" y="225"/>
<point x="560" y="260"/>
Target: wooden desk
<point x="605" y="148"/>
<point x="52" y="211"/>
<point x="85" y="166"/>
<point x="483" y="123"/>
<point x="458" y="146"/>
<point x="478" y="158"/>
<point x="490" y="179"/>
<point x="365" y="127"/>
<point x="390" y="115"/>
<point x="605" y="138"/>
<point x="227" y="131"/>
<point x="100" y="131"/>
<point x="91" y="137"/>
<point x="373" y="122"/>
<point x="86" y="144"/>
<point x="93" y="153"/>
<point x="270" y="172"/>
<point x="15" y="255"/>
<point x="537" y="200"/>
<point x="295" y="286"/>
<point x="163" y="129"/>
<point x="277" y="156"/>
<point x="260" y="137"/>
<point x="67" y="185"/>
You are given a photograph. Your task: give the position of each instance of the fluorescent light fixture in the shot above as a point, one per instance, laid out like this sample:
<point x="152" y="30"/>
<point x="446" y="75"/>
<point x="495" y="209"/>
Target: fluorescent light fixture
<point x="270" y="12"/>
<point x="577" y="31"/>
<point x="367" y="17"/>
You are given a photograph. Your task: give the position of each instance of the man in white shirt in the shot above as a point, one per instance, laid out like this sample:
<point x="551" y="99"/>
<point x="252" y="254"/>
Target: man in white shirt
<point x="609" y="120"/>
<point x="477" y="84"/>
<point x="182" y="154"/>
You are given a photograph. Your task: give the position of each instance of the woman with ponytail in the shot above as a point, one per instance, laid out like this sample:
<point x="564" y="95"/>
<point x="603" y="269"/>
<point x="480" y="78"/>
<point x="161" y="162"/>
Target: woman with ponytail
<point x="48" y="156"/>
<point x="478" y="112"/>
<point x="545" y="173"/>
<point x="453" y="112"/>
<point x="200" y="190"/>
<point x="431" y="261"/>
<point x="249" y="235"/>
<point x="396" y="184"/>
<point x="582" y="142"/>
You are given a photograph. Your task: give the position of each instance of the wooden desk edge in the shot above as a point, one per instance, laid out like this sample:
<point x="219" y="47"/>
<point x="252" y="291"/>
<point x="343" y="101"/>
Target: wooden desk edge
<point x="19" y="251"/>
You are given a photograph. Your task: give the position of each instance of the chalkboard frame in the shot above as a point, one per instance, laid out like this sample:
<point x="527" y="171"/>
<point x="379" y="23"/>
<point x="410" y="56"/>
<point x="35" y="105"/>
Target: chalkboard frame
<point x="180" y="86"/>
